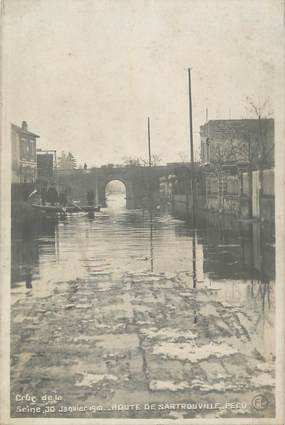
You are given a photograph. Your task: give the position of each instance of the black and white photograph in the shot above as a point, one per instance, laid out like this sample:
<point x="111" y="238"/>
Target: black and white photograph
<point x="140" y="161"/>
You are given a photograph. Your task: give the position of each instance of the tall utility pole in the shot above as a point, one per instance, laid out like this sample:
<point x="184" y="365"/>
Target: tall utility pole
<point x="193" y="187"/>
<point x="149" y="150"/>
<point x="190" y="117"/>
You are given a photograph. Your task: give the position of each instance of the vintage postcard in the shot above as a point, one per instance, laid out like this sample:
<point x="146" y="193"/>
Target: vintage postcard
<point x="142" y="212"/>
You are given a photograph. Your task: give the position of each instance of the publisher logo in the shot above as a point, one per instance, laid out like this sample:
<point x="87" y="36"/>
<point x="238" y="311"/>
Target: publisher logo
<point x="259" y="402"/>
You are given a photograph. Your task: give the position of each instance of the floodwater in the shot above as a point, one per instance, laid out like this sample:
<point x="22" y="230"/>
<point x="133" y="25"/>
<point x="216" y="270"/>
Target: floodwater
<point x="138" y="315"/>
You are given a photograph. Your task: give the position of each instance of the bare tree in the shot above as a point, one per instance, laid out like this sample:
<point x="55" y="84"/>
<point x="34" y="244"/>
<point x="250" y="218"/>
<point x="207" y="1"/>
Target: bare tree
<point x="66" y="161"/>
<point x="259" y="108"/>
<point x="130" y="161"/>
<point x="262" y="110"/>
<point x="156" y="159"/>
<point x="183" y="156"/>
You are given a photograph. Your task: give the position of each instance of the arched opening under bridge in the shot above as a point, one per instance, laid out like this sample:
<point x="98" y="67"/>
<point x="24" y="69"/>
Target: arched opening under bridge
<point x="116" y="194"/>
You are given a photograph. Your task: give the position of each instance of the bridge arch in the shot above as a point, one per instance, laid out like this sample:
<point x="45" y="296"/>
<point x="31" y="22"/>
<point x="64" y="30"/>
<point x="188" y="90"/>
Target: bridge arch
<point x="117" y="179"/>
<point x="103" y="182"/>
<point x="116" y="186"/>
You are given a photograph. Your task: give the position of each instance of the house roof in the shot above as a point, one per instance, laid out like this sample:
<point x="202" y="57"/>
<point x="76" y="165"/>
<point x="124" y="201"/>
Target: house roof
<point x="236" y="122"/>
<point x="22" y="131"/>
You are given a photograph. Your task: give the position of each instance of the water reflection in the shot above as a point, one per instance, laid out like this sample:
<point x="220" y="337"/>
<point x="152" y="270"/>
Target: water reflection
<point x="28" y="247"/>
<point x="239" y="263"/>
<point x="194" y="268"/>
<point x="116" y="201"/>
<point x="151" y="239"/>
<point x="129" y="276"/>
<point x="29" y="278"/>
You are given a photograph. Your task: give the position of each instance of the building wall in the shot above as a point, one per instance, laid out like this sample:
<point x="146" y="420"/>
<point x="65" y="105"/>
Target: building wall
<point x="238" y="141"/>
<point x="229" y="194"/>
<point x="15" y="150"/>
<point x="24" y="159"/>
<point x="268" y="183"/>
<point x="45" y="166"/>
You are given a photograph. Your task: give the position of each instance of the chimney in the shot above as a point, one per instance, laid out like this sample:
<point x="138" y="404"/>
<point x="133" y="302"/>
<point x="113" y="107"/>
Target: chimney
<point x="24" y="125"/>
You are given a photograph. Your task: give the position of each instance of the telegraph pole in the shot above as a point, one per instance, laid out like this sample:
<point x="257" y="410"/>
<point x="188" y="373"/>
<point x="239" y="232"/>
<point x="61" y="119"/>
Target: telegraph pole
<point x="193" y="188"/>
<point x="149" y="150"/>
<point x="190" y="117"/>
<point x="191" y="149"/>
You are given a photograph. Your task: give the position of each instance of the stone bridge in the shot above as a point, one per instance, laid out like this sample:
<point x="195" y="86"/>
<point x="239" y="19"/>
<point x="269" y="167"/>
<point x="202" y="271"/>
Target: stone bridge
<point x="142" y="183"/>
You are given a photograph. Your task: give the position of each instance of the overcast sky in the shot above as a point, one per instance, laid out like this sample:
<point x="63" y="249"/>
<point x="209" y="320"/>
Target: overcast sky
<point x="85" y="74"/>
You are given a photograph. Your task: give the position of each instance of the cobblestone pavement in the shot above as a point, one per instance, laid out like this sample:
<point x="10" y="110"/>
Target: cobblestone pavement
<point x="145" y="338"/>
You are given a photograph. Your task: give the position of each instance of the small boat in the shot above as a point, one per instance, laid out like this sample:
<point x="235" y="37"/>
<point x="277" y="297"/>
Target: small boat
<point x="68" y="209"/>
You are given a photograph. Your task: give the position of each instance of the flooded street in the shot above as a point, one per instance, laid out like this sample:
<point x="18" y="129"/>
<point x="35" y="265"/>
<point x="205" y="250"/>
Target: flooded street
<point x="132" y="315"/>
